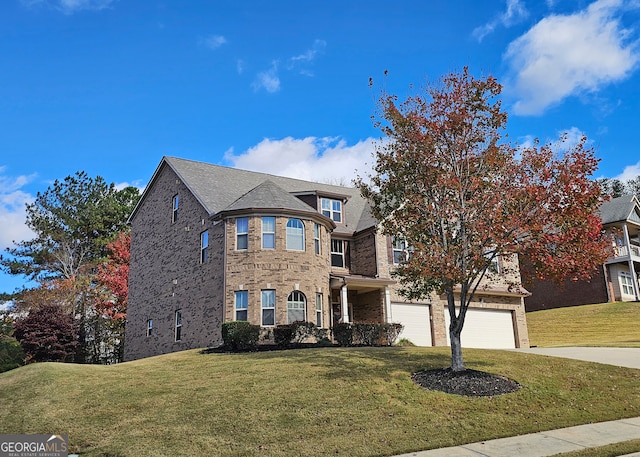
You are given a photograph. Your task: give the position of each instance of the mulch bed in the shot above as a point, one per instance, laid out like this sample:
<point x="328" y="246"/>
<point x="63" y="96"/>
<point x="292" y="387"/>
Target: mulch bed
<point x="470" y="383"/>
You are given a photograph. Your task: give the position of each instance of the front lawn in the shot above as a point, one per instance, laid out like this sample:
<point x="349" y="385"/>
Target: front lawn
<point x="608" y="324"/>
<point x="311" y="402"/>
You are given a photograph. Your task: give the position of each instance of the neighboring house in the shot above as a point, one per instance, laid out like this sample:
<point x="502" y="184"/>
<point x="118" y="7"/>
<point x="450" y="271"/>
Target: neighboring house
<point x="616" y="280"/>
<point x="212" y="244"/>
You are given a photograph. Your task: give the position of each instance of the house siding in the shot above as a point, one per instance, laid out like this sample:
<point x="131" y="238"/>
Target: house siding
<point x="166" y="274"/>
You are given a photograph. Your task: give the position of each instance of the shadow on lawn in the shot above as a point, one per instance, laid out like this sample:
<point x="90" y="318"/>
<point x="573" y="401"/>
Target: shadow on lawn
<point x="387" y="363"/>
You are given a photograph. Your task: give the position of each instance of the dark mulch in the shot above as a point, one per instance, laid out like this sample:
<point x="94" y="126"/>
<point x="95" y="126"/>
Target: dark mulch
<point x="470" y="383"/>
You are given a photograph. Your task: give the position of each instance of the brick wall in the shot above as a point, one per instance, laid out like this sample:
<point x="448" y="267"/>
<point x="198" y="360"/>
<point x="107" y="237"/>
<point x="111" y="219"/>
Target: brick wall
<point x="548" y="294"/>
<point x="280" y="269"/>
<point x="166" y="274"/>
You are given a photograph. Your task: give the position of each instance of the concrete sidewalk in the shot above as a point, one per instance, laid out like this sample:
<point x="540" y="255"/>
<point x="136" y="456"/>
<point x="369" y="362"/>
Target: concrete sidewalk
<point x="545" y="444"/>
<point x="621" y="357"/>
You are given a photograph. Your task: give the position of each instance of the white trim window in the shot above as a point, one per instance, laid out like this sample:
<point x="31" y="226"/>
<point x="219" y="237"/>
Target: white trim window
<point x="242" y="305"/>
<point x="400" y="250"/>
<point x="204" y="246"/>
<point x="268" y="308"/>
<point x="268" y="232"/>
<point x="149" y="327"/>
<point x="296" y="307"/>
<point x="178" y="325"/>
<point x="316" y="239"/>
<point x="242" y="234"/>
<point x="626" y="283"/>
<point x="332" y="209"/>
<point x="319" y="310"/>
<point x="337" y="254"/>
<point x="295" y="235"/>
<point x="175" y="203"/>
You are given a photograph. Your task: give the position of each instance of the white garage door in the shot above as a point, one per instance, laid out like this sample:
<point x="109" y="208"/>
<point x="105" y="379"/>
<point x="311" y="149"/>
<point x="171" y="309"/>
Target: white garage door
<point x="486" y="328"/>
<point x="416" y="321"/>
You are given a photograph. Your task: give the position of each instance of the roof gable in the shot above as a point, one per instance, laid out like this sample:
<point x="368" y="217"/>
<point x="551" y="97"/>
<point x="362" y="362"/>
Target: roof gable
<point x="620" y="209"/>
<point x="269" y="195"/>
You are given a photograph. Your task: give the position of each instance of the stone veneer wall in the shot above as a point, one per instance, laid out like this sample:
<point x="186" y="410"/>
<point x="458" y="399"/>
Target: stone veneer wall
<point x="166" y="274"/>
<point x="280" y="269"/>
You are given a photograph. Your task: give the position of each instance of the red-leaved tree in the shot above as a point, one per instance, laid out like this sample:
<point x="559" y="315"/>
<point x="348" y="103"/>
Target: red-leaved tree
<point x="111" y="305"/>
<point x="461" y="197"/>
<point x="47" y="334"/>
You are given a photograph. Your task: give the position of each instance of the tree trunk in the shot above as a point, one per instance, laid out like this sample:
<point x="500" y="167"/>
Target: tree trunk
<point x="457" y="364"/>
<point x="455" y="329"/>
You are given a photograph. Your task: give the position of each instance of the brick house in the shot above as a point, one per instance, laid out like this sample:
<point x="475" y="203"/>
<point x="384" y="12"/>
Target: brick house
<point x="616" y="280"/>
<point x="212" y="244"/>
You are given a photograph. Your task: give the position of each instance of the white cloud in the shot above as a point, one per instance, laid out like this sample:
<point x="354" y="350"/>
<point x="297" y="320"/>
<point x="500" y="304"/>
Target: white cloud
<point x="328" y="160"/>
<point x="564" y="55"/>
<point x="71" y="6"/>
<point x="214" y="41"/>
<point x="268" y="79"/>
<point x="139" y="184"/>
<point x="12" y="209"/>
<point x="310" y="54"/>
<point x="515" y="12"/>
<point x="630" y="172"/>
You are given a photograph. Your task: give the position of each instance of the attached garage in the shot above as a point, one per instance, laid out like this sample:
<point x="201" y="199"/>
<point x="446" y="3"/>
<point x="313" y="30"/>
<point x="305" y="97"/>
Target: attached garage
<point x="416" y="319"/>
<point x="486" y="328"/>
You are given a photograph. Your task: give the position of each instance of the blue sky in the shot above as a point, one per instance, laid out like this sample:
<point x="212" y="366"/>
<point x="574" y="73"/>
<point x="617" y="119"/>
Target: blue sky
<point x="111" y="86"/>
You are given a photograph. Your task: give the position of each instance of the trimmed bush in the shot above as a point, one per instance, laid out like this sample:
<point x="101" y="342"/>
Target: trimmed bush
<point x="303" y="330"/>
<point x="366" y="334"/>
<point x="389" y="333"/>
<point x="240" y="335"/>
<point x="296" y="333"/>
<point x="283" y="334"/>
<point x="343" y="334"/>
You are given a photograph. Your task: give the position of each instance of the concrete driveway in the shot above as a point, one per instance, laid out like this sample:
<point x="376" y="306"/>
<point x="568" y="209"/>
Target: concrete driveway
<point x="621" y="357"/>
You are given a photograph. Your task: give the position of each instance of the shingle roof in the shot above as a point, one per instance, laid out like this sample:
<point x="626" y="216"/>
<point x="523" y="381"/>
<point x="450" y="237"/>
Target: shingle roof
<point x="268" y="195"/>
<point x="220" y="188"/>
<point x="618" y="209"/>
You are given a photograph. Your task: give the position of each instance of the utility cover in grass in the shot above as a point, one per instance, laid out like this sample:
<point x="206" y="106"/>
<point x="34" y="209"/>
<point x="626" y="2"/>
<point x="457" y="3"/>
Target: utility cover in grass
<point x="470" y="383"/>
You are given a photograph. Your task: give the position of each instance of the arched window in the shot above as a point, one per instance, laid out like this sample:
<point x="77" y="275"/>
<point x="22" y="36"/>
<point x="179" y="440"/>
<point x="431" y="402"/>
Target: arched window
<point x="296" y="307"/>
<point x="295" y="235"/>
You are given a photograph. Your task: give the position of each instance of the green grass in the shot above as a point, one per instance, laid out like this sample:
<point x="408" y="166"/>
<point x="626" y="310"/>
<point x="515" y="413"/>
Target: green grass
<point x="608" y="324"/>
<point x="311" y="402"/>
<point x="612" y="450"/>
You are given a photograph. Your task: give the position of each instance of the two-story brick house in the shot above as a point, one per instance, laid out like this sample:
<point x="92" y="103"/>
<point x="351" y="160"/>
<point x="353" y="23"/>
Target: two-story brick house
<point x="616" y="280"/>
<point x="212" y="244"/>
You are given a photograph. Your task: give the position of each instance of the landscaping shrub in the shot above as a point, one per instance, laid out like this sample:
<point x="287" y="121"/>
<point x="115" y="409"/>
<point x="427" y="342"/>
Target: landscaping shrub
<point x="403" y="342"/>
<point x="303" y="330"/>
<point x="366" y="334"/>
<point x="389" y="333"/>
<point x="240" y="335"/>
<point x="282" y="335"/>
<point x="296" y="333"/>
<point x="343" y="334"/>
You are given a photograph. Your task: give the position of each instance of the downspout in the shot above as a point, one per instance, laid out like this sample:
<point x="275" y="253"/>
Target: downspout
<point x="224" y="270"/>
<point x="634" y="276"/>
